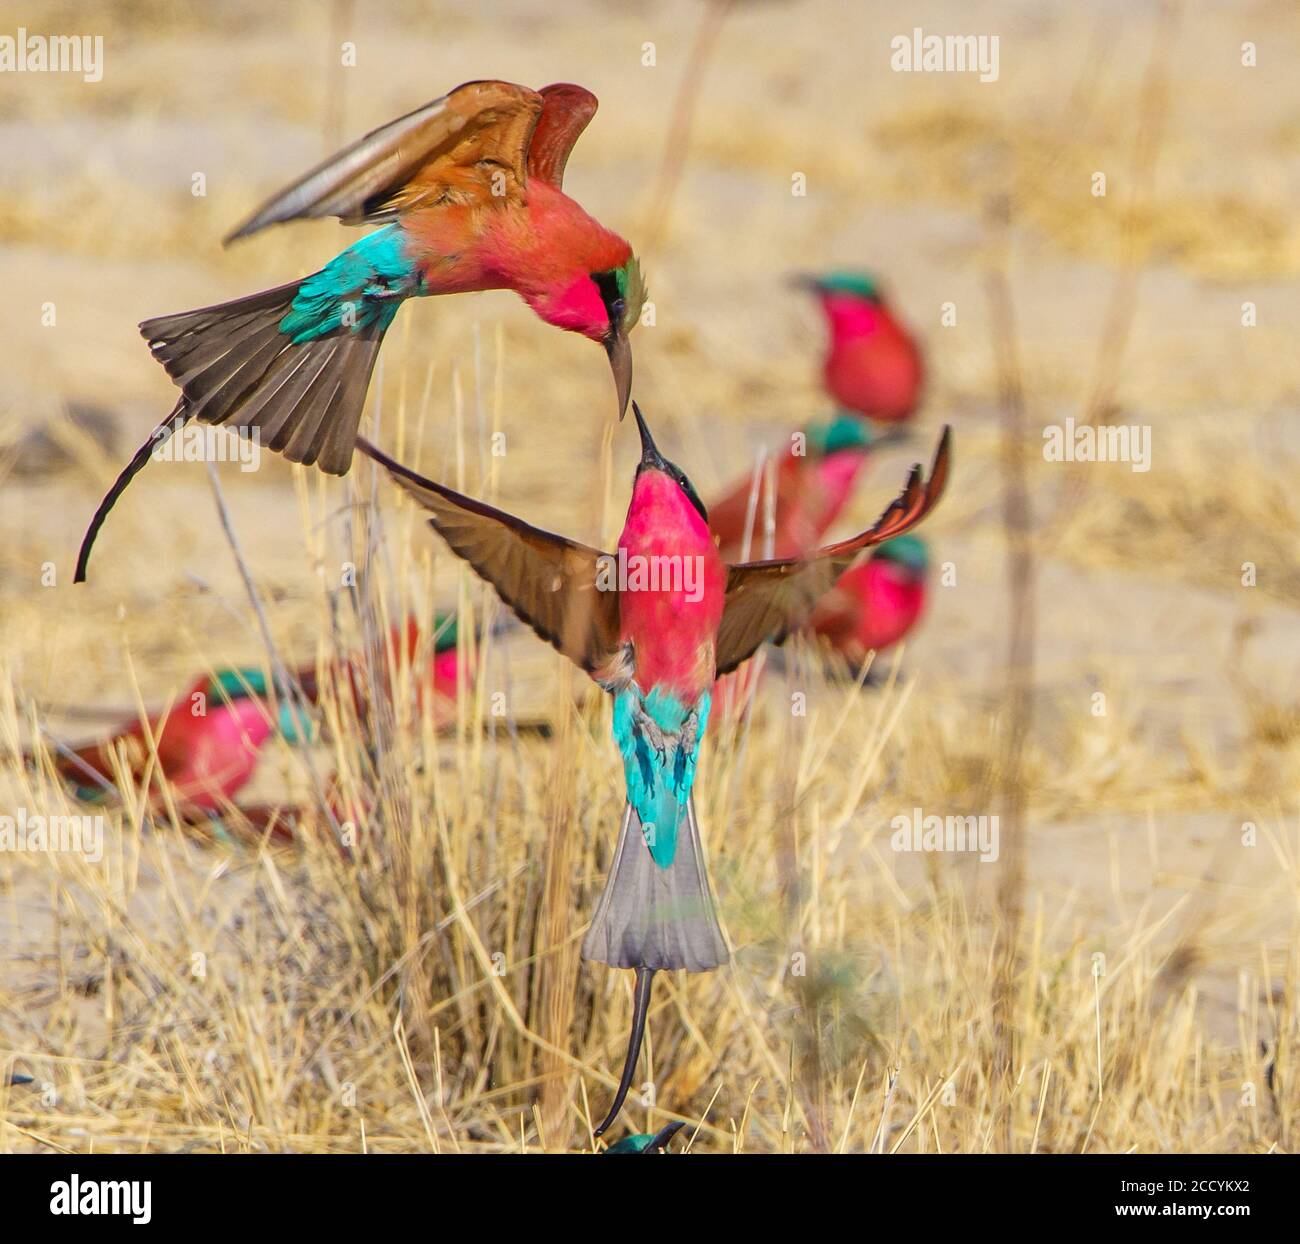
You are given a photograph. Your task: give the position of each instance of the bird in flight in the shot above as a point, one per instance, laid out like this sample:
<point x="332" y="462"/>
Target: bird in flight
<point x="469" y="191"/>
<point x="653" y="625"/>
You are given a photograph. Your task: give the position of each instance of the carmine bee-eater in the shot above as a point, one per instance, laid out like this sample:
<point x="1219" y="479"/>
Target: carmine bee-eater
<point x="468" y="189"/>
<point x="815" y="478"/>
<point x="654" y="626"/>
<point x="208" y="744"/>
<point x="876" y="603"/>
<point x="435" y="682"/>
<point x="872" y="367"/>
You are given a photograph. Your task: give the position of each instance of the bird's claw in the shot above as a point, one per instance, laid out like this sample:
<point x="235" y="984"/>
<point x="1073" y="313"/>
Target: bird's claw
<point x="654" y="736"/>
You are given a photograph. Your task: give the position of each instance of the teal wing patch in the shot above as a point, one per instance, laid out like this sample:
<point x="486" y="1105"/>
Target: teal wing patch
<point x="361" y="287"/>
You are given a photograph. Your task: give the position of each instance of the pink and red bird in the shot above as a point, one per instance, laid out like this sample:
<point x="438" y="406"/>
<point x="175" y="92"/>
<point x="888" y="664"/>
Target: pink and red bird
<point x="877" y="603"/>
<point x="207" y="744"/>
<point x="873" y="367"/>
<point x="874" y="371"/>
<point x="815" y="478"/>
<point x="469" y="191"/>
<point x="656" y="645"/>
<point x="435" y="674"/>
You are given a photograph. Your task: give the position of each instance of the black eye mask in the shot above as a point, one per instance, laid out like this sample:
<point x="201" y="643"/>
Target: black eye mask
<point x="691" y="495"/>
<point x="610" y="295"/>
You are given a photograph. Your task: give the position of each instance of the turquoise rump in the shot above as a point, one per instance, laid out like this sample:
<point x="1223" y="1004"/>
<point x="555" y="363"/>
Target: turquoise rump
<point x="659" y="779"/>
<point x="358" y="289"/>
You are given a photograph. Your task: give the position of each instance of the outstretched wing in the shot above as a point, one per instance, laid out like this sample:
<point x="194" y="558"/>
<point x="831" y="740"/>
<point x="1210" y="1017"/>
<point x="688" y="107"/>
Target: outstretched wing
<point x="767" y="600"/>
<point x="566" y="111"/>
<point x="551" y="583"/>
<point x="470" y="145"/>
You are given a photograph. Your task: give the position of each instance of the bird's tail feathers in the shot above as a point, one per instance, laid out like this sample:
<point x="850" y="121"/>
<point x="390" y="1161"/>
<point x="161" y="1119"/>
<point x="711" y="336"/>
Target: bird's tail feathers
<point x="139" y="460"/>
<point x="237" y="367"/>
<point x="653" y="917"/>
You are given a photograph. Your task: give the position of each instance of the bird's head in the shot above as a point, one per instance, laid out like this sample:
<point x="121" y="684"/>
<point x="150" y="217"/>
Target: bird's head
<point x="232" y="695"/>
<point x="622" y="295"/>
<point x="231" y="685"/>
<point x="445" y="632"/>
<point x="409" y="635"/>
<point x="603" y="304"/>
<point x="446" y="655"/>
<point x="657" y="477"/>
<point x="909" y="553"/>
<point x="852" y="301"/>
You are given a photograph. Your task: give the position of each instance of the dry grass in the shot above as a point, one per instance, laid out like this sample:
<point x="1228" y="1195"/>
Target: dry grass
<point x="424" y="992"/>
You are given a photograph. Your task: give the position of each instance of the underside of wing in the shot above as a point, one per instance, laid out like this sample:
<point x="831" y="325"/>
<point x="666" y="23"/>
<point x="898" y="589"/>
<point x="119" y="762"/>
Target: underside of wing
<point x="566" y="112"/>
<point x="551" y="583"/>
<point x="470" y="143"/>
<point x="768" y="600"/>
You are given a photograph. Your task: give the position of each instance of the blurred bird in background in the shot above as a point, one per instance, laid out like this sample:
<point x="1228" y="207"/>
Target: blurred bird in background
<point x="873" y="367"/>
<point x="873" y="371"/>
<point x="435" y="671"/>
<point x="877" y="603"/>
<point x="208" y="742"/>
<point x="207" y="745"/>
<point x="815" y="479"/>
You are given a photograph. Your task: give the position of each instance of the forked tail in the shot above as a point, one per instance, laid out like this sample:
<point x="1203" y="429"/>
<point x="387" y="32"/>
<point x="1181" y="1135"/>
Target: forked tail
<point x="652" y="918"/>
<point x="239" y="366"/>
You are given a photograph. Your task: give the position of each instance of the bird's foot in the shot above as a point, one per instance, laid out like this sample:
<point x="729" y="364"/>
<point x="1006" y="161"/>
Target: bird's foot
<point x="649" y="729"/>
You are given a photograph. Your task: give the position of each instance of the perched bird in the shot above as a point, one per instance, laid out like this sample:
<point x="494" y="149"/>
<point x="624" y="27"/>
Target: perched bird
<point x="873" y="367"/>
<point x="436" y="681"/>
<point x="876" y="603"/>
<point x="208" y="744"/>
<point x="815" y="478"/>
<point x="653" y="625"/>
<point x="468" y="189"/>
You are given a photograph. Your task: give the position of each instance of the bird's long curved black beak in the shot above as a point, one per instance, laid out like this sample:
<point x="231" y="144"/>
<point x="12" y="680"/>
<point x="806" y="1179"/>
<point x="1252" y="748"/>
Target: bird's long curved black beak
<point x="650" y="455"/>
<point x="619" y="350"/>
<point x="641" y="1005"/>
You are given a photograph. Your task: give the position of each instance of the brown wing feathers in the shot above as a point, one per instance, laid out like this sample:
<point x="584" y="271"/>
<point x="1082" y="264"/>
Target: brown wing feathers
<point x="549" y="582"/>
<point x="409" y="162"/>
<point x="566" y="112"/>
